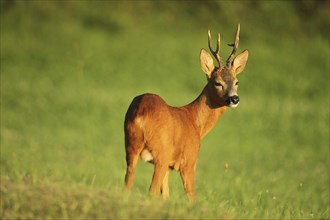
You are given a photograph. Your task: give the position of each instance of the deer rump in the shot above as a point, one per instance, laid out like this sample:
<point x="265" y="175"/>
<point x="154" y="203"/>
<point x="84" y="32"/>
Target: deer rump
<point x="154" y="131"/>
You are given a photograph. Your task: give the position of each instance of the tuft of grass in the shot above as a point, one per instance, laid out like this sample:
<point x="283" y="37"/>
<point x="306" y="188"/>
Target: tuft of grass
<point x="39" y="198"/>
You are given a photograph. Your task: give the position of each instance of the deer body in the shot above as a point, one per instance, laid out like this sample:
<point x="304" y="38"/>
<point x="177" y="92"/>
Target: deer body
<point x="170" y="137"/>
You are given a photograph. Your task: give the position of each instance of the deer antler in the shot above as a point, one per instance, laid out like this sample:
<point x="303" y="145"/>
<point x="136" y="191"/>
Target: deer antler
<point x="215" y="52"/>
<point x="235" y="46"/>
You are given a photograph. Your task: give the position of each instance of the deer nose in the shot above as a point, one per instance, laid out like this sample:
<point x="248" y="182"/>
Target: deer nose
<point x="234" y="99"/>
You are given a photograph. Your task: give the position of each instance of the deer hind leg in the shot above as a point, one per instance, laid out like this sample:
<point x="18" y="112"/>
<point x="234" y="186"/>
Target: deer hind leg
<point x="164" y="188"/>
<point x="188" y="179"/>
<point x="131" y="160"/>
<point x="133" y="145"/>
<point x="160" y="171"/>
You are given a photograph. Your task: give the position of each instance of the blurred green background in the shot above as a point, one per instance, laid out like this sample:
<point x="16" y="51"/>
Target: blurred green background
<point x="69" y="70"/>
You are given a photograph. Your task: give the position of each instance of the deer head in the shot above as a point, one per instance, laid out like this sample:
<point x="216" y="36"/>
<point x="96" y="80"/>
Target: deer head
<point x="222" y="79"/>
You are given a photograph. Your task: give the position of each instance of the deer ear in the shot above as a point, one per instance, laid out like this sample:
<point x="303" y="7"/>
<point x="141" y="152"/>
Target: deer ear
<point x="206" y="62"/>
<point x="240" y="62"/>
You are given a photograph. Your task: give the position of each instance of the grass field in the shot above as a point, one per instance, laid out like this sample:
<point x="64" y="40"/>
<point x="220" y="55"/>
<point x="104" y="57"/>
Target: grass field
<point x="69" y="70"/>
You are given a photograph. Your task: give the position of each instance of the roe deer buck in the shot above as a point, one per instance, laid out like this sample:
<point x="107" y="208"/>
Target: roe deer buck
<point x="170" y="137"/>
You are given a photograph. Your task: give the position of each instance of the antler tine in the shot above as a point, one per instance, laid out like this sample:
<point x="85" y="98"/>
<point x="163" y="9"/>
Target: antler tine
<point x="216" y="51"/>
<point x="235" y="46"/>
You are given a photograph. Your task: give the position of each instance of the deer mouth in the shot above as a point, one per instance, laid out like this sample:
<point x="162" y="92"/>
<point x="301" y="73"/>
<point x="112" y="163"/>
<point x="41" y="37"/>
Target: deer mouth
<point x="233" y="105"/>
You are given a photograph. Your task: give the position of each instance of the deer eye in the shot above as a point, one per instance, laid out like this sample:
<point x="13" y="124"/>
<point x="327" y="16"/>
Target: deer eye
<point x="218" y="84"/>
<point x="236" y="83"/>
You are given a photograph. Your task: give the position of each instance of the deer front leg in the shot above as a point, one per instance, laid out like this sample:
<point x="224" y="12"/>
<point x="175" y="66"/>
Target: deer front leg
<point x="165" y="189"/>
<point x="188" y="179"/>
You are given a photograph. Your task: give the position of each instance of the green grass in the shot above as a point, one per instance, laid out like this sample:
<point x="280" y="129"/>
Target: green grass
<point x="69" y="71"/>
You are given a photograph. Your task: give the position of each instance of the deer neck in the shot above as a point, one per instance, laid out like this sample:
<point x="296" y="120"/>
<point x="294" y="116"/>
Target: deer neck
<point x="205" y="111"/>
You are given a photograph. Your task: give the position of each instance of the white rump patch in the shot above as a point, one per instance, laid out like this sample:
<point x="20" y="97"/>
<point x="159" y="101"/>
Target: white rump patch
<point x="139" y="121"/>
<point x="146" y="155"/>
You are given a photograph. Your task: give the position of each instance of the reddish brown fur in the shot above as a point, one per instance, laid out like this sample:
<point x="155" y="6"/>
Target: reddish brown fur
<point x="169" y="136"/>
